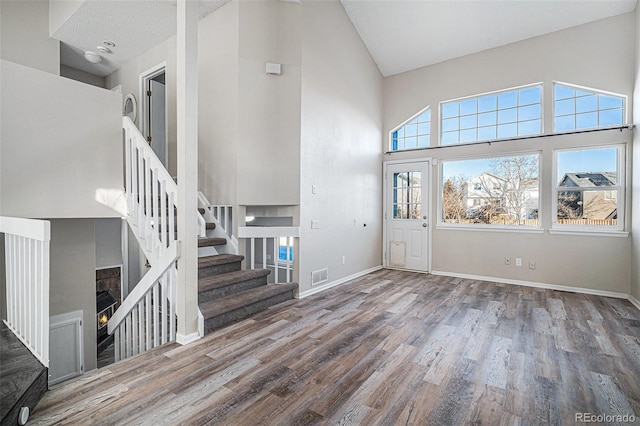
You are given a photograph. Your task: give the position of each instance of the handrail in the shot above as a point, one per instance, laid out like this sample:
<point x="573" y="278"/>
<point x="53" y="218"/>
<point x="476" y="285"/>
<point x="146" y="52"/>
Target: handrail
<point x="147" y="317"/>
<point x="152" y="276"/>
<point x="27" y="248"/>
<point x="265" y="243"/>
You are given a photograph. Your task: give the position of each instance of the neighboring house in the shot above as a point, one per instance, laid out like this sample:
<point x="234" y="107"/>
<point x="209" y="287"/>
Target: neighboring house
<point x="516" y="200"/>
<point x="593" y="201"/>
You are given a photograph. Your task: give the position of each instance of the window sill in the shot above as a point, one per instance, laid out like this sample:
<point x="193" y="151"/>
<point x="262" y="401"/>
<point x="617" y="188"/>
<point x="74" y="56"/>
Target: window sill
<point x="589" y="233"/>
<point x="489" y="228"/>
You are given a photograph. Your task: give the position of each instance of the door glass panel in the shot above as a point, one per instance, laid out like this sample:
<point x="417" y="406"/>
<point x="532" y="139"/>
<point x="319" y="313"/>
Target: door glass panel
<point x="407" y="195"/>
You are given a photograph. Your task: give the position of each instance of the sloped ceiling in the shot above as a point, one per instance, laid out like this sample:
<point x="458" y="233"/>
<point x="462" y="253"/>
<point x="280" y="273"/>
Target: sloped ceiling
<point x="404" y="35"/>
<point x="400" y="35"/>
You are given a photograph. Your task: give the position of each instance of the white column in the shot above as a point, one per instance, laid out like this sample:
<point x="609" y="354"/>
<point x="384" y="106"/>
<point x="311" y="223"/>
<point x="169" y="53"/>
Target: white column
<point x="187" y="162"/>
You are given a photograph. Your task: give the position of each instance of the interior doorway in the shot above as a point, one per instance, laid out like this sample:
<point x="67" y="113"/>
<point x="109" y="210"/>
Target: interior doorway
<point x="153" y="92"/>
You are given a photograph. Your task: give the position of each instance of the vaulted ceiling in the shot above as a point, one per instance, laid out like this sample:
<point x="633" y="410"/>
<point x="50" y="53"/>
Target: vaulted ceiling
<point x="400" y="35"/>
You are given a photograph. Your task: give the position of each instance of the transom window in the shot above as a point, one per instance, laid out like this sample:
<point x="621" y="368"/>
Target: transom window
<point x="588" y="192"/>
<point x="579" y="108"/>
<point x="505" y="114"/>
<point x="415" y="133"/>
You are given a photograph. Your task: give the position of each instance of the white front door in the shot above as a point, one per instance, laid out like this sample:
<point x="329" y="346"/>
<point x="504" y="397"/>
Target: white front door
<point x="407" y="215"/>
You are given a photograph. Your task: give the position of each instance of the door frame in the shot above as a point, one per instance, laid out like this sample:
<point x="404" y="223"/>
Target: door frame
<point x="431" y="162"/>
<point x="143" y="80"/>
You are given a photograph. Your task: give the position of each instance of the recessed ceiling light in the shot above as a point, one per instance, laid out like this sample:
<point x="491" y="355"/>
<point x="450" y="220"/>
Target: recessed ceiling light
<point x="92" y="57"/>
<point x="103" y="49"/>
<point x="109" y="44"/>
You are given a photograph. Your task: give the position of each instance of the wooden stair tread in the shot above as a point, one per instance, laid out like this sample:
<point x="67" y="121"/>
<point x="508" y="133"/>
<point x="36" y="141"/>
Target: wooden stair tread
<point x="208" y="242"/>
<point x="221" y="280"/>
<point x="230" y="303"/>
<point x="219" y="259"/>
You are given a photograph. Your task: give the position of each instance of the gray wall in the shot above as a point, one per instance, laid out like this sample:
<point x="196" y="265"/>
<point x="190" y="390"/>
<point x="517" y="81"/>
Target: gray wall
<point x="108" y="242"/>
<point x="24" y="35"/>
<point x="73" y="277"/>
<point x="340" y="147"/>
<point x="598" y="55"/>
<point x="635" y="219"/>
<point x="82" y="76"/>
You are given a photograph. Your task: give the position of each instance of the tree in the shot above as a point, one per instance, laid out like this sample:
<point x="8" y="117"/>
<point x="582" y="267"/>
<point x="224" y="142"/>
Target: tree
<point x="454" y="207"/>
<point x="520" y="174"/>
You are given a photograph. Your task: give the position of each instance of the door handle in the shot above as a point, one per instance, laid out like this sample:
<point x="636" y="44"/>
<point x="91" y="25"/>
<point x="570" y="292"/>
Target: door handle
<point x="424" y="225"/>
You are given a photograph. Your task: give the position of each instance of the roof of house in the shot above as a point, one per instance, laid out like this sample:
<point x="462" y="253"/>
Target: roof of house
<point x="589" y="179"/>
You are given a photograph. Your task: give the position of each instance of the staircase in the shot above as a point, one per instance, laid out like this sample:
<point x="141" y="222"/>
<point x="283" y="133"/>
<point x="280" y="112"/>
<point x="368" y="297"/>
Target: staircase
<point x="228" y="294"/>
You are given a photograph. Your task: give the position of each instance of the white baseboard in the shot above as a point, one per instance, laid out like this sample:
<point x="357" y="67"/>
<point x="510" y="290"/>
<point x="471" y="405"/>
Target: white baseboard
<point x="635" y="302"/>
<point x="582" y="290"/>
<point x="185" y="339"/>
<point x="327" y="286"/>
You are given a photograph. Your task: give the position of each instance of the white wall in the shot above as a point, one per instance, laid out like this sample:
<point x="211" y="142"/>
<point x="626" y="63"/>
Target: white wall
<point x="269" y="106"/>
<point x="24" y="35"/>
<point x="60" y="142"/>
<point x="635" y="219"/>
<point x="340" y="147"/>
<point x="218" y="104"/>
<point x="598" y="55"/>
<point x="73" y="277"/>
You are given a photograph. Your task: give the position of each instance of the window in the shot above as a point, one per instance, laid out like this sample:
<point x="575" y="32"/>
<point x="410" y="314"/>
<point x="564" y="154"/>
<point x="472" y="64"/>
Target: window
<point x="588" y="191"/>
<point x="415" y="133"/>
<point x="506" y="114"/>
<point x="284" y="246"/>
<point x="577" y="108"/>
<point x="499" y="191"/>
<point x="407" y="195"/>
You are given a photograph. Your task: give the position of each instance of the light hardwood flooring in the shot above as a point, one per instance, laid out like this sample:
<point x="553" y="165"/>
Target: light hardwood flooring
<point x="389" y="348"/>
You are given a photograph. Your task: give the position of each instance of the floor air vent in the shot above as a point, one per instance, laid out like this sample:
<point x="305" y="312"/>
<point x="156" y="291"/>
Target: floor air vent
<point x="320" y="276"/>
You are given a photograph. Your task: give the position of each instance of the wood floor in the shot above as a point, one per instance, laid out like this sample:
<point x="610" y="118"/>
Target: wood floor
<point x="389" y="348"/>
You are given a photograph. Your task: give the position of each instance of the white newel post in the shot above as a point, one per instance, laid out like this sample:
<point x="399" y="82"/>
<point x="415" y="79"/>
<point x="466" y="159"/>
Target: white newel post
<point x="187" y="164"/>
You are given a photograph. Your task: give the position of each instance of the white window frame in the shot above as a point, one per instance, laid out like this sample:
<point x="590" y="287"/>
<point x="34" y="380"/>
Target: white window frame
<point x="487" y="227"/>
<point x="495" y="92"/>
<point x="396" y="128"/>
<point x="625" y="112"/>
<point x="618" y="229"/>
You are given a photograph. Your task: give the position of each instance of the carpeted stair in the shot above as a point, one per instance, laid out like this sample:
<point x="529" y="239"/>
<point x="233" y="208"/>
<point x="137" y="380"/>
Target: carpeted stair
<point x="228" y="294"/>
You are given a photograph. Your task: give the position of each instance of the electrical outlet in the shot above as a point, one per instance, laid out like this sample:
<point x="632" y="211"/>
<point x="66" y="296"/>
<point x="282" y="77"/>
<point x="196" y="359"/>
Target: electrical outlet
<point x="507" y="261"/>
<point x="268" y="257"/>
<point x="315" y="224"/>
<point x="532" y="265"/>
<point x="518" y="261"/>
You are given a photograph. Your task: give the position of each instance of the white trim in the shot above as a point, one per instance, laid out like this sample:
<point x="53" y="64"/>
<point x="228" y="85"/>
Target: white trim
<point x="185" y="339"/>
<point x="268" y="231"/>
<point x="335" y="283"/>
<point x="430" y="163"/>
<point x="558" y="287"/>
<point x="488" y="228"/>
<point x="143" y="79"/>
<point x="635" y="302"/>
<point x="585" y="233"/>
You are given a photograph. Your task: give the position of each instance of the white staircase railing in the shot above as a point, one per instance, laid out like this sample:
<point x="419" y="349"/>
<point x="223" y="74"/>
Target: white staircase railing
<point x="271" y="248"/>
<point x="26" y="243"/>
<point x="147" y="317"/>
<point x="222" y="217"/>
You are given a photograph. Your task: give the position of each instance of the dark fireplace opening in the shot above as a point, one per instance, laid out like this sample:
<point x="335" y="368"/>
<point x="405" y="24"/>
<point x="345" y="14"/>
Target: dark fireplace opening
<point x="105" y="307"/>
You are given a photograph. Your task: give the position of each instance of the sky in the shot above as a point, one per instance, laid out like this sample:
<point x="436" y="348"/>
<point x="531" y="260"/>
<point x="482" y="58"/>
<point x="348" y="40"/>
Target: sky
<point x="590" y="160"/>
